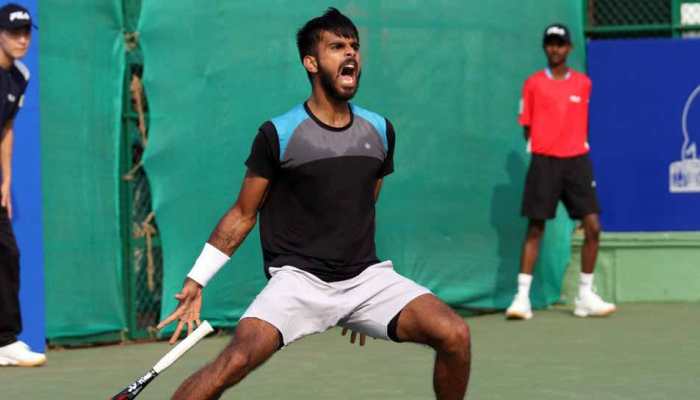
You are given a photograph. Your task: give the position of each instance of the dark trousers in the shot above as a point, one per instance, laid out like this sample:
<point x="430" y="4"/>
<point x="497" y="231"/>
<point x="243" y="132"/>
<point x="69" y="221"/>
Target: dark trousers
<point x="10" y="319"/>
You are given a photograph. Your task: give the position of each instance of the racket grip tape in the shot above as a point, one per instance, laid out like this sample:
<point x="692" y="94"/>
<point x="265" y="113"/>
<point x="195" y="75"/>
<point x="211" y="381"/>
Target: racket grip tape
<point x="181" y="348"/>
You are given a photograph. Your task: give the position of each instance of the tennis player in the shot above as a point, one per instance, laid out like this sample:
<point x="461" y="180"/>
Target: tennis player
<point x="314" y="174"/>
<point x="554" y="115"/>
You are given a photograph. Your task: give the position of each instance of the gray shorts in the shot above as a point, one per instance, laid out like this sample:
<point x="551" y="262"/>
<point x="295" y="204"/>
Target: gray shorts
<point x="298" y="303"/>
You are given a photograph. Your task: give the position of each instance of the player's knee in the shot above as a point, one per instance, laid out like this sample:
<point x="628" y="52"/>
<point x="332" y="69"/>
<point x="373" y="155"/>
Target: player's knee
<point x="236" y="363"/>
<point x="461" y="337"/>
<point x="592" y="232"/>
<point x="535" y="231"/>
<point x="455" y="337"/>
<point x="239" y="361"/>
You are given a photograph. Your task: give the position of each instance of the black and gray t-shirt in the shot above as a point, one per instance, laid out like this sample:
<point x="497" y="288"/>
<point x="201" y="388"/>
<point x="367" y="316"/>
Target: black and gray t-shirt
<point x="319" y="211"/>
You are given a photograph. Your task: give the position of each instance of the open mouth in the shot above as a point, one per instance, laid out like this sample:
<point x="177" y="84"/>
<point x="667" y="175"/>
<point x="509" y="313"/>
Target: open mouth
<point x="348" y="73"/>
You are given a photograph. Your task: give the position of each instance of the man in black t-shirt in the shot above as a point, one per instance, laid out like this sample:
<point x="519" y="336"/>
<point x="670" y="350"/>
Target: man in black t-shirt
<point x="314" y="174"/>
<point x="15" y="37"/>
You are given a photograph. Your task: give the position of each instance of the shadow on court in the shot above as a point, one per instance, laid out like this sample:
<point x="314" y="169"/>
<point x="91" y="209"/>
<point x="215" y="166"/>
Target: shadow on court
<point x="646" y="351"/>
<point x="510" y="228"/>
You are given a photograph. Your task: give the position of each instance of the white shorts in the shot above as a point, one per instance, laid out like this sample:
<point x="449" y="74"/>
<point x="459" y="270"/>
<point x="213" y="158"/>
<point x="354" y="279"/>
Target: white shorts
<point x="298" y="303"/>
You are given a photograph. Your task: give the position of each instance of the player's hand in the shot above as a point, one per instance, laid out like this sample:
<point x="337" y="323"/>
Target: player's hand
<point x="6" y="198"/>
<point x="353" y="336"/>
<point x="187" y="312"/>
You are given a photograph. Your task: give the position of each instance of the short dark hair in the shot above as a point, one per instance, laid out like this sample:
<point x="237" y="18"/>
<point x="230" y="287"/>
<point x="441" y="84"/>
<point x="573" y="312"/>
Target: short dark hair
<point x="333" y="21"/>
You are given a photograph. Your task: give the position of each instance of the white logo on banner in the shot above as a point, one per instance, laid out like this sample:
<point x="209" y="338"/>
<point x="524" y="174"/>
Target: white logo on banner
<point x="684" y="175"/>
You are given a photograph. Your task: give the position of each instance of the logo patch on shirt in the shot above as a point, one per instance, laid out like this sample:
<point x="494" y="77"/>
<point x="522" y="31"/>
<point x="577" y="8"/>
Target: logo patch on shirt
<point x="575" y="99"/>
<point x="11" y="97"/>
<point x="367" y="146"/>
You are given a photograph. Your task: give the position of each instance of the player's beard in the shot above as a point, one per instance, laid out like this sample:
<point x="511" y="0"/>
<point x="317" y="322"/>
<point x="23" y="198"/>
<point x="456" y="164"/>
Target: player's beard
<point x="328" y="84"/>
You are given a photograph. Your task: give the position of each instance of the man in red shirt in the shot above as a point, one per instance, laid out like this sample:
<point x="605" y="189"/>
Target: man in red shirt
<point x="554" y="115"/>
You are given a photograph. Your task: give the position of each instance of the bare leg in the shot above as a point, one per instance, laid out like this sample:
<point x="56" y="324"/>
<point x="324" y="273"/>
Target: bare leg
<point x="588" y="303"/>
<point x="427" y="320"/>
<point x="589" y="251"/>
<point x="253" y="343"/>
<point x="531" y="246"/>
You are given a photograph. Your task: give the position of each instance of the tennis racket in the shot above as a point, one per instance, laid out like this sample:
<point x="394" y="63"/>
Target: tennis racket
<point x="131" y="391"/>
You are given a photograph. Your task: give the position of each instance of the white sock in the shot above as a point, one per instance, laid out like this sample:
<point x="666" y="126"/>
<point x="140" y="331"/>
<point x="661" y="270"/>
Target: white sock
<point x="524" y="281"/>
<point x="585" y="284"/>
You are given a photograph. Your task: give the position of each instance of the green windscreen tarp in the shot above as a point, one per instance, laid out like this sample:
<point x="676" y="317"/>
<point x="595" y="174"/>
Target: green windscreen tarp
<point x="82" y="61"/>
<point x="448" y="74"/>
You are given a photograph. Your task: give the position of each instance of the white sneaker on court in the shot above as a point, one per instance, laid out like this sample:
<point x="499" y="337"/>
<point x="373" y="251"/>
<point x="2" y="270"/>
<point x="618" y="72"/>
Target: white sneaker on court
<point x="589" y="304"/>
<point x="18" y="354"/>
<point x="520" y="308"/>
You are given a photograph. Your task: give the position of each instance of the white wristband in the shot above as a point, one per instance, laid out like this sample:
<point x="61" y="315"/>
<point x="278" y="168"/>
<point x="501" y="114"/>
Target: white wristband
<point x="208" y="264"/>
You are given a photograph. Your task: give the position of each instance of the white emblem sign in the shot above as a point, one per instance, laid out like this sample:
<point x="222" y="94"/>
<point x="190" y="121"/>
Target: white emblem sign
<point x="684" y="175"/>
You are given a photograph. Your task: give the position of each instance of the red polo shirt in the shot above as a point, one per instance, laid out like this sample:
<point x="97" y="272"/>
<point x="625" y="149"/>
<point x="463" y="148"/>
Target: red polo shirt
<point x="557" y="113"/>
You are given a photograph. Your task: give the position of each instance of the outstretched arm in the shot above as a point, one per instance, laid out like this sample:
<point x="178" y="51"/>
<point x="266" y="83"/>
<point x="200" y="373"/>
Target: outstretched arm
<point x="228" y="235"/>
<point x="240" y="219"/>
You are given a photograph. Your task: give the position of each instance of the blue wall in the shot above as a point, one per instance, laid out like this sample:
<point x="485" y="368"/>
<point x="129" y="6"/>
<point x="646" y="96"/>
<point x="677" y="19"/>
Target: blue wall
<point x="640" y="91"/>
<point x="26" y="190"/>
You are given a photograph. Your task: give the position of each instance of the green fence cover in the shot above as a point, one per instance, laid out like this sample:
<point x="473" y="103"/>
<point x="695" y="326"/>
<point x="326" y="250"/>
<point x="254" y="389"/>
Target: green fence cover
<point x="448" y="74"/>
<point x="82" y="61"/>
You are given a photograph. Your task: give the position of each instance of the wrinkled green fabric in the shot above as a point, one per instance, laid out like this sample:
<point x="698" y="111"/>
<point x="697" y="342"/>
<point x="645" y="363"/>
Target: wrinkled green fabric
<point x="448" y="74"/>
<point x="81" y="72"/>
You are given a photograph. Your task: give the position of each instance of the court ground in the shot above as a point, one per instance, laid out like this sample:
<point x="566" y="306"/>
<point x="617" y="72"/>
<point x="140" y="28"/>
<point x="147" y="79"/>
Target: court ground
<point x="646" y="351"/>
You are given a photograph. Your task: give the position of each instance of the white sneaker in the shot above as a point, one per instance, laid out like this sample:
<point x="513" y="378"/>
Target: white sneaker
<point x="18" y="354"/>
<point x="520" y="308"/>
<point x="591" y="305"/>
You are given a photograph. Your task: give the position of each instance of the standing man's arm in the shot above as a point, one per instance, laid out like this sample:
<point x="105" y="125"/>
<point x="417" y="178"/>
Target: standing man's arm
<point x="6" y="167"/>
<point x="228" y="235"/>
<point x="525" y="109"/>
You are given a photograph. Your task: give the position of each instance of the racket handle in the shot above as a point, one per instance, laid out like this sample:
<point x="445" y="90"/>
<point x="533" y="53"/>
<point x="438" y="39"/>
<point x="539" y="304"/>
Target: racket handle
<point x="181" y="348"/>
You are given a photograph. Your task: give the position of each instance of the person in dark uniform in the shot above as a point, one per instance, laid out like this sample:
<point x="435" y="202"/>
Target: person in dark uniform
<point x="15" y="37"/>
<point x="314" y="174"/>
